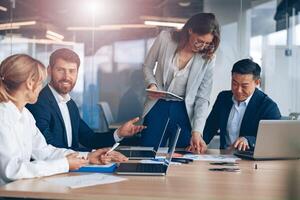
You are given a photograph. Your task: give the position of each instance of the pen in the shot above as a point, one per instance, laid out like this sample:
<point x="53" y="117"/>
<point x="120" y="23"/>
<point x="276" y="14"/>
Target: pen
<point x="113" y="148"/>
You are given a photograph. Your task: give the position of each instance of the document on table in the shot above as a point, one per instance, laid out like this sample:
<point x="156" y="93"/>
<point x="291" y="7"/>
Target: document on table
<point x="158" y="161"/>
<point x="84" y="180"/>
<point x="212" y="158"/>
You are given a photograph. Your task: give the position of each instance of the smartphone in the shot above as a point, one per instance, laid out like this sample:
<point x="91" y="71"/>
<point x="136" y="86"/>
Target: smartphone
<point x="225" y="169"/>
<point x="224" y="163"/>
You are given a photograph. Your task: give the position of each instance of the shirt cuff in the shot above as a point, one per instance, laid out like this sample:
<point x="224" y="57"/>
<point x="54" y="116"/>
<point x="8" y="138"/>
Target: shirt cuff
<point x="83" y="154"/>
<point x="116" y="137"/>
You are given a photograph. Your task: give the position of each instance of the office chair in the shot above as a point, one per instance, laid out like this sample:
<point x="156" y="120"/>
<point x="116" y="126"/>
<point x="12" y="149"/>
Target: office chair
<point x="108" y="117"/>
<point x="294" y="115"/>
<point x="111" y="125"/>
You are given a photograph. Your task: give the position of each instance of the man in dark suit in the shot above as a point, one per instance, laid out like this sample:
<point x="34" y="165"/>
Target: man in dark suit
<point x="57" y="115"/>
<point x="236" y="113"/>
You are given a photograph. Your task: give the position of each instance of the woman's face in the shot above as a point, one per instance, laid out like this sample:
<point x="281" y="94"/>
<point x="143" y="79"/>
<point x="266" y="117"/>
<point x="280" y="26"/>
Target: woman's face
<point x="199" y="43"/>
<point x="34" y="88"/>
<point x="34" y="92"/>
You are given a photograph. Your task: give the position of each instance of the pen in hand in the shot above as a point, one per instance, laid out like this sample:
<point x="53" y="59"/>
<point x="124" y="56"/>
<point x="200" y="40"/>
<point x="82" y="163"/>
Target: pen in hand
<point x="113" y="148"/>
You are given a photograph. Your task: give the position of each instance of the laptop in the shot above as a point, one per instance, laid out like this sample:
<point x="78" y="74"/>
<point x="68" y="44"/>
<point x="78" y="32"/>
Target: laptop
<point x="139" y="153"/>
<point x="151" y="169"/>
<point x="276" y="139"/>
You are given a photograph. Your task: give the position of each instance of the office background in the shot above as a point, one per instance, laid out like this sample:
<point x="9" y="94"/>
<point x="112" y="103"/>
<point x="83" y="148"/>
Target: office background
<point x="113" y="37"/>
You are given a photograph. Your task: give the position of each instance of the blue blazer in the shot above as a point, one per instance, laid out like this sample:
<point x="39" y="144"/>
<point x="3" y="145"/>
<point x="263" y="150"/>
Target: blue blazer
<point x="50" y="122"/>
<point x="259" y="107"/>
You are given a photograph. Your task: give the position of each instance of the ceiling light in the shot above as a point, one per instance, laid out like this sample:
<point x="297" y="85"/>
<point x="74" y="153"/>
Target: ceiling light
<point x="109" y="27"/>
<point x="91" y="6"/>
<point x="184" y="3"/>
<point x="24" y="23"/>
<point x="54" y="36"/>
<point x="162" y="23"/>
<point x="16" y="25"/>
<point x="8" y="27"/>
<point x="2" y="8"/>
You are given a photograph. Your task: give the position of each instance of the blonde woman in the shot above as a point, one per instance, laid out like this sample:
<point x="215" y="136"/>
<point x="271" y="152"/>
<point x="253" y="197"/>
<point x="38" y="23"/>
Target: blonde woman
<point x="24" y="152"/>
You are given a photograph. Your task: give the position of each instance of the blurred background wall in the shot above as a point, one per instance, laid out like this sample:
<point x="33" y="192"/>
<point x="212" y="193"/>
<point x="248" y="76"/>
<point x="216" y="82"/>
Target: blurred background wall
<point x="112" y="39"/>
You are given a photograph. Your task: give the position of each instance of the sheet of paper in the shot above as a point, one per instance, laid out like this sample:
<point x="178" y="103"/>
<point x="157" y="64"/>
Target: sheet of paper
<point x="84" y="180"/>
<point x="158" y="161"/>
<point x="212" y="158"/>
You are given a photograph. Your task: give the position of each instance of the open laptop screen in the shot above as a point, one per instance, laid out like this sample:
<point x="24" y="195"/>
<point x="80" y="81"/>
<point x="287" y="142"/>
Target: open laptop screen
<point x="173" y="146"/>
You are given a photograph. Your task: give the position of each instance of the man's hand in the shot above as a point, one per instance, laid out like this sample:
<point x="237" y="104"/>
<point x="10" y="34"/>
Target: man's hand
<point x="197" y="144"/>
<point x="76" y="162"/>
<point x="241" y="144"/>
<point x="101" y="157"/>
<point x="129" y="129"/>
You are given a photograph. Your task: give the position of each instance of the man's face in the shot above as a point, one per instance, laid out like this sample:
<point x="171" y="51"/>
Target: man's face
<point x="63" y="76"/>
<point x="243" y="86"/>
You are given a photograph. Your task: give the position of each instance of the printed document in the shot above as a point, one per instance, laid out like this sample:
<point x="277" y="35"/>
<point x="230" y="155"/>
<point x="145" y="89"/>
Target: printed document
<point x="212" y="158"/>
<point x="84" y="180"/>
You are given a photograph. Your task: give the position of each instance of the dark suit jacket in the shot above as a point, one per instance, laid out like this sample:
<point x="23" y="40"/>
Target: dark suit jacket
<point x="259" y="107"/>
<point x="50" y="122"/>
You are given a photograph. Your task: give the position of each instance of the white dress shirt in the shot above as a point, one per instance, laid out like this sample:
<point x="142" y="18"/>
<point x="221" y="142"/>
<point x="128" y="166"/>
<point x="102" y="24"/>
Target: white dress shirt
<point x="20" y="141"/>
<point x="235" y="119"/>
<point x="63" y="107"/>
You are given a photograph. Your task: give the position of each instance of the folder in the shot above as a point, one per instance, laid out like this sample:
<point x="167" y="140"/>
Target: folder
<point x="165" y="95"/>
<point x="109" y="168"/>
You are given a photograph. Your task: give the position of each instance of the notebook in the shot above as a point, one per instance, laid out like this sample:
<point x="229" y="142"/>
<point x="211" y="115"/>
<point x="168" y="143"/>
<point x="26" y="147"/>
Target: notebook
<point x="151" y="169"/>
<point x="139" y="153"/>
<point x="165" y="95"/>
<point x="109" y="168"/>
<point x="276" y="139"/>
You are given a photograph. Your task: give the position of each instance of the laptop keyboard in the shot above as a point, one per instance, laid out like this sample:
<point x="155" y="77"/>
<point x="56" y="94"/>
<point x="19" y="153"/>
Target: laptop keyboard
<point x="150" y="168"/>
<point x="250" y="153"/>
<point x="137" y="153"/>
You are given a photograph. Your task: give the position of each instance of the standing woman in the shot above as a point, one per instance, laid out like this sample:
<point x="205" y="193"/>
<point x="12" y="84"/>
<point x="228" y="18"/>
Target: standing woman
<point x="185" y="61"/>
<point x="23" y="149"/>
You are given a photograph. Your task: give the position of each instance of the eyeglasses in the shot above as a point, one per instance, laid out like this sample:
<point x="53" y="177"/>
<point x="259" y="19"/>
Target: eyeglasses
<point x="203" y="45"/>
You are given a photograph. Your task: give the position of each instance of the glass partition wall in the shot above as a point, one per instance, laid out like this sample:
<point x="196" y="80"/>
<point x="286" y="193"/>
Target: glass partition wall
<point x="112" y="40"/>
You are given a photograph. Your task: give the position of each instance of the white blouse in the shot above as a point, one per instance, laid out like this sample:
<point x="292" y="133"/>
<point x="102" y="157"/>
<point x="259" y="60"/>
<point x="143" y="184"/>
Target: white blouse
<point x="21" y="141"/>
<point x="177" y="79"/>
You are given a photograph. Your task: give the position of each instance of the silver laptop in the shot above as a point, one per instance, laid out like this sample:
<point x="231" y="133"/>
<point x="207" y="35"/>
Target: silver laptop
<point x="151" y="169"/>
<point x="139" y="153"/>
<point x="276" y="139"/>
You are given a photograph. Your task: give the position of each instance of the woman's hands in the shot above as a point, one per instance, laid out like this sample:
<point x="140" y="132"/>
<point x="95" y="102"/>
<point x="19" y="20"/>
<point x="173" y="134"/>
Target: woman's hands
<point x="98" y="157"/>
<point x="154" y="96"/>
<point x="197" y="144"/>
<point x="75" y="161"/>
<point x="101" y="157"/>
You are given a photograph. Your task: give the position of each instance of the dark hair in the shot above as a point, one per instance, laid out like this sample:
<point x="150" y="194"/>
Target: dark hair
<point x="247" y="66"/>
<point x="201" y="24"/>
<point x="64" y="54"/>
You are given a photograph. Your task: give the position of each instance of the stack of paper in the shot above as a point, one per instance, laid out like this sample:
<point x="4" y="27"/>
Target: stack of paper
<point x="212" y="158"/>
<point x="84" y="180"/>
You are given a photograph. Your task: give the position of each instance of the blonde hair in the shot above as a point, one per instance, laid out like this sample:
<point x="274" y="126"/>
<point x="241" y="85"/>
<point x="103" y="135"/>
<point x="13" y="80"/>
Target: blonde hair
<point x="17" y="69"/>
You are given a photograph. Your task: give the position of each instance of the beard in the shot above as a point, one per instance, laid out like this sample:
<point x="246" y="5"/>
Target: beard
<point x="63" y="86"/>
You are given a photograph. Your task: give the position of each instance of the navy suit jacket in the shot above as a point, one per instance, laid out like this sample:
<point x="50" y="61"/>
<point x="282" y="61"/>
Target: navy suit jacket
<point x="259" y="107"/>
<point x="50" y="122"/>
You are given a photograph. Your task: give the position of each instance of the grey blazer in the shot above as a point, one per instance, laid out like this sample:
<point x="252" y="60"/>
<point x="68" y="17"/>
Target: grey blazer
<point x="199" y="83"/>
